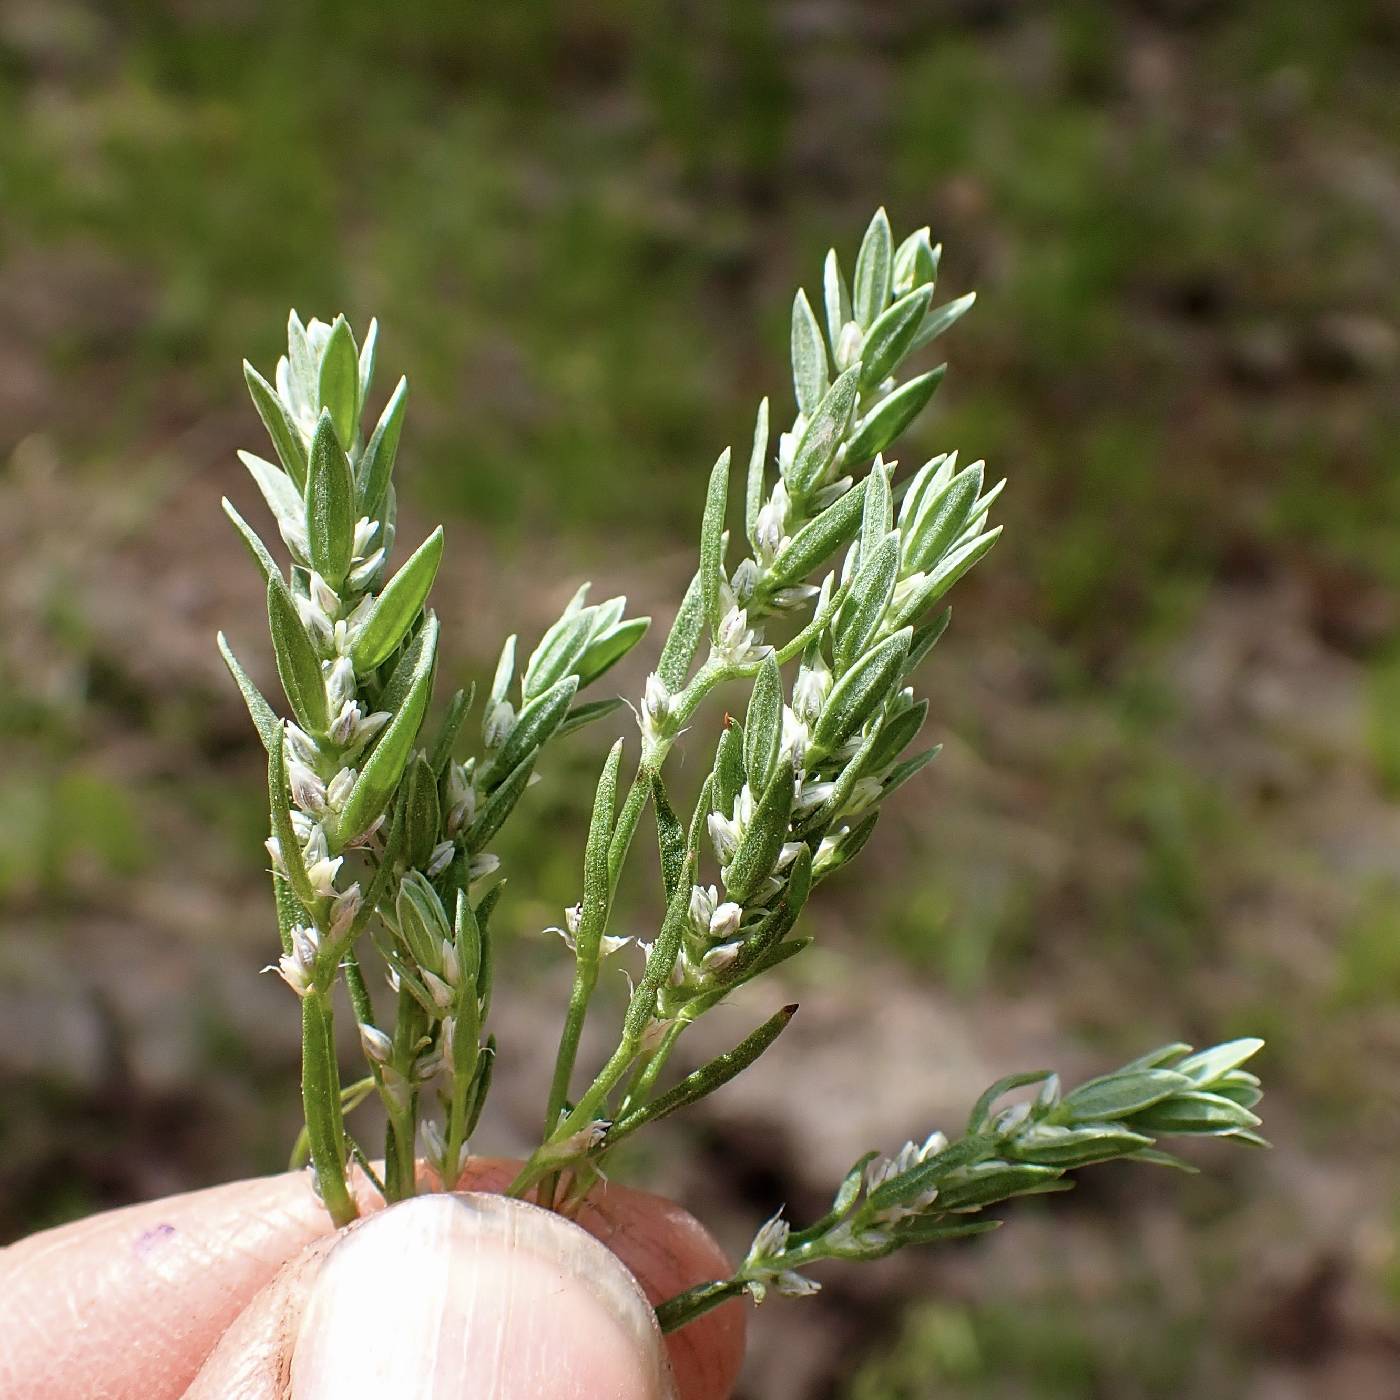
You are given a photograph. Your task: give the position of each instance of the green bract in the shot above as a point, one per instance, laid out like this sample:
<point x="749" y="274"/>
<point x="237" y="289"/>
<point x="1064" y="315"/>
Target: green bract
<point x="822" y="606"/>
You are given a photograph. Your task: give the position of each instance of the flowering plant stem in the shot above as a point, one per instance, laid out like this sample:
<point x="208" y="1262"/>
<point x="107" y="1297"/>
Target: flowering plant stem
<point x="380" y="824"/>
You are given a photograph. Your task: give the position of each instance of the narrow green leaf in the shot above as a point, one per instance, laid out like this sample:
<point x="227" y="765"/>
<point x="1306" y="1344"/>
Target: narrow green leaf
<point x="925" y="639"/>
<point x="877" y="512"/>
<point x="884" y="423"/>
<point x="710" y="1076"/>
<point x="580" y="715"/>
<point x="712" y="542"/>
<point x="827" y="428"/>
<point x="902" y="772"/>
<point x="661" y="960"/>
<point x="874" y="271"/>
<point x="758" y="463"/>
<point x="1194" y="1113"/>
<point x="889" y="340"/>
<point x="820" y="538"/>
<point x="860" y="615"/>
<point x="368" y="354"/>
<point x="398" y="606"/>
<point x="763" y="725"/>
<point x="285" y="435"/>
<point x="451" y="726"/>
<point x="282" y="497"/>
<point x="837" y="297"/>
<point x="298" y="664"/>
<point x="536" y="724"/>
<point x="383" y="769"/>
<point x="264" y="720"/>
<point x="941" y="318"/>
<point x="505" y="673"/>
<point x="762" y="840"/>
<point x="897" y="734"/>
<point x="941" y="520"/>
<point x="376" y="464"/>
<point x="980" y="1116"/>
<point x="501" y="802"/>
<point x="1054" y="1146"/>
<point x="857" y="695"/>
<point x="958" y="563"/>
<point x="297" y="880"/>
<point x="1205" y="1066"/>
<point x="256" y="547"/>
<point x="809" y="373"/>
<point x="330" y="504"/>
<point x="339" y="386"/>
<point x="1117" y="1095"/>
<point x="597" y="877"/>
<point x="684" y="636"/>
<point x="558" y="653"/>
<point x="915" y="262"/>
<point x="729" y="768"/>
<point x="989" y="1182"/>
<point x="607" y="648"/>
<point x="670" y="837"/>
<point x="422" y="815"/>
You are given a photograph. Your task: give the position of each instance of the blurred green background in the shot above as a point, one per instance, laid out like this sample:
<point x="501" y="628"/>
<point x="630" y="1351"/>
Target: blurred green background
<point x="1171" y="698"/>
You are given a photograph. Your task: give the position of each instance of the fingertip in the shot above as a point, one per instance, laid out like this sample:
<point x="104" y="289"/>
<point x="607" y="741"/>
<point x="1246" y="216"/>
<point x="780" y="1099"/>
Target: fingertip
<point x="445" y="1296"/>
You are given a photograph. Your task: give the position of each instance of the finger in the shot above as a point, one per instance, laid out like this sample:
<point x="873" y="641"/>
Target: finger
<point x="128" y="1304"/>
<point x="444" y="1297"/>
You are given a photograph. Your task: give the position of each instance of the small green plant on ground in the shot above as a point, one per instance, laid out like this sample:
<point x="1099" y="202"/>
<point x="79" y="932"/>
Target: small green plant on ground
<point x="381" y="829"/>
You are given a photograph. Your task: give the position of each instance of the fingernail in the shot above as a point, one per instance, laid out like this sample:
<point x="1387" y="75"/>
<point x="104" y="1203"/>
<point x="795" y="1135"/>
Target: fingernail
<point x="474" y="1295"/>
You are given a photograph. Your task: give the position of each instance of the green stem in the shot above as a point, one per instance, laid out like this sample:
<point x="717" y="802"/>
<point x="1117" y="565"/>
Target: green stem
<point x="696" y="1302"/>
<point x="320" y="1097"/>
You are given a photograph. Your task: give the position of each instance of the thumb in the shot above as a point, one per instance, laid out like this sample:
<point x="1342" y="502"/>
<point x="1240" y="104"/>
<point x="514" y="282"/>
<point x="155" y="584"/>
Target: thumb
<point x="449" y="1296"/>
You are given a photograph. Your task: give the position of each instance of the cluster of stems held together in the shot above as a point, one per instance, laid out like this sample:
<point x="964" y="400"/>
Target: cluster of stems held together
<point x="380" y="826"/>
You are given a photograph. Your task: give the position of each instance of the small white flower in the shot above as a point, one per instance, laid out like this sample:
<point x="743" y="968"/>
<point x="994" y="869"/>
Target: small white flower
<point x="724" y="836"/>
<point x="811" y="796"/>
<point x="460" y="799"/>
<point x="300" y="745"/>
<point x="340" y="682"/>
<point x="770" y="530"/>
<point x="785" y="599"/>
<point x="274" y="851"/>
<point x="573" y="919"/>
<point x="866" y="791"/>
<point x="365" y="531"/>
<point x="339" y="788"/>
<point x="451" y="964"/>
<point x="441" y="858"/>
<point x="359" y="577"/>
<point x="308" y="791"/>
<point x="448" y="1039"/>
<point x="323" y="595"/>
<point x="317" y="624"/>
<point x="810" y="690"/>
<point x="440" y="992"/>
<point x="483" y="865"/>
<point x="848" y="345"/>
<point x="298" y="968"/>
<point x="322" y="875"/>
<point x="702" y="907"/>
<point x="498" y="724"/>
<point x="724" y="922"/>
<point x="795" y="737"/>
<point x="434" y="1144"/>
<point x="745" y="580"/>
<point x="377" y="1046"/>
<point x="720" y="956"/>
<point x="343" y="911"/>
<point x="771" y="1239"/>
<point x="791" y="1284"/>
<point x="738" y="643"/>
<point x="656" y="707"/>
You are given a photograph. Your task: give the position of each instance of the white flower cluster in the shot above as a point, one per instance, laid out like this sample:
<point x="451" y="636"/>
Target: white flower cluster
<point x="763" y="1267"/>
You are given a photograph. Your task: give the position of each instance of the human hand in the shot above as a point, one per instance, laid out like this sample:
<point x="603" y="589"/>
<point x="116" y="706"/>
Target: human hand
<point x="244" y="1292"/>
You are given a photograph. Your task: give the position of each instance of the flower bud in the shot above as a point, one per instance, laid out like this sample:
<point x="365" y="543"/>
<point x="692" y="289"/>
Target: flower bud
<point x="378" y="1047"/>
<point x="498" y="724"/>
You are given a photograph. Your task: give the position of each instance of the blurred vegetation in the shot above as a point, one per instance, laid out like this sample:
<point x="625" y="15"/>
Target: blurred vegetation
<point x="1173" y="699"/>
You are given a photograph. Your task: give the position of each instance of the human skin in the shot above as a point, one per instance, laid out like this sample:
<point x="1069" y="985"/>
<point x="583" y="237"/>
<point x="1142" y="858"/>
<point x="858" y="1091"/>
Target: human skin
<point x="225" y="1292"/>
